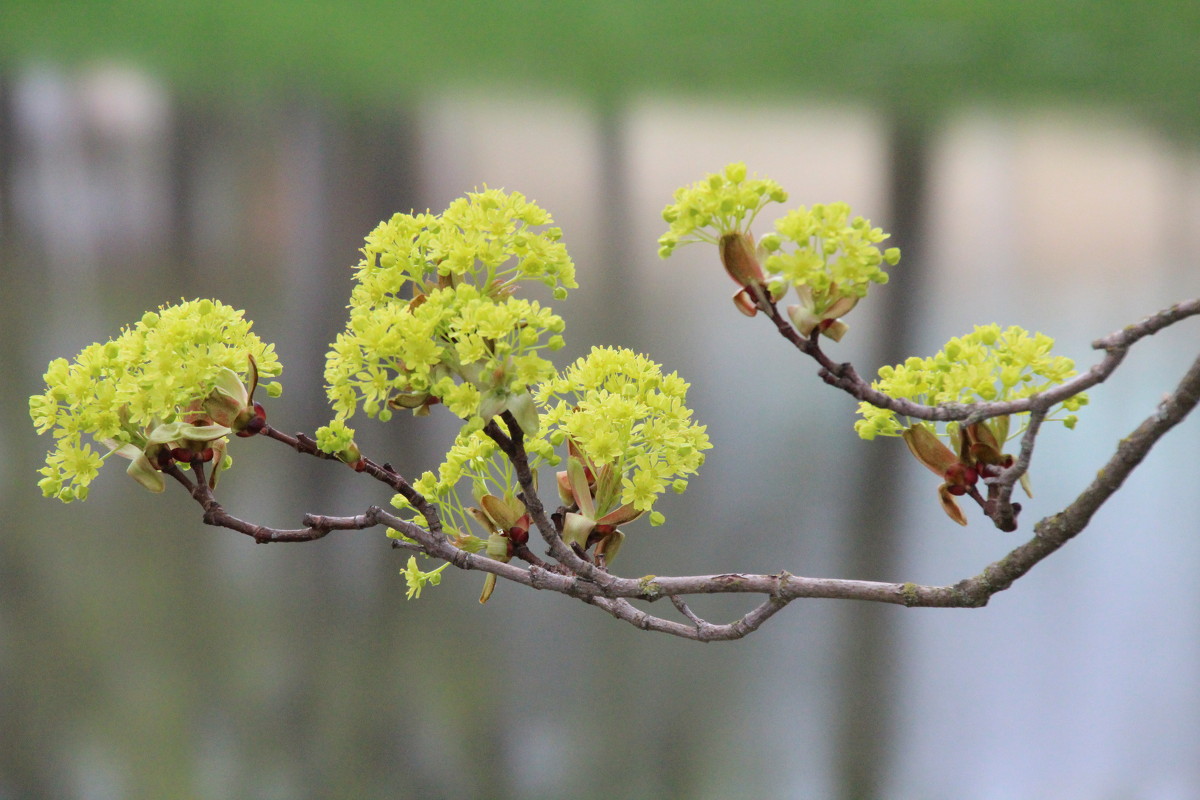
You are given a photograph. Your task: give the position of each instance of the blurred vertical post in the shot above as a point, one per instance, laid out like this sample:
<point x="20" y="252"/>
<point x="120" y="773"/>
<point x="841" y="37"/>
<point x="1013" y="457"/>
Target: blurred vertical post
<point x="619" y="308"/>
<point x="864" y="715"/>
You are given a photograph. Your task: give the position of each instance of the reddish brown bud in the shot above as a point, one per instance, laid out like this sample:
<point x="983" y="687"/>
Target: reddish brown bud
<point x="739" y="260"/>
<point x="961" y="475"/>
<point x="256" y="423"/>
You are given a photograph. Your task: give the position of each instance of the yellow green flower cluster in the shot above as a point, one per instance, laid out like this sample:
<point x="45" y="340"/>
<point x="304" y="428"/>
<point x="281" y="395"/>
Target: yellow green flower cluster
<point x="829" y="257"/>
<point x="987" y="365"/>
<point x="486" y="238"/>
<point x="433" y="317"/>
<point x="335" y="437"/>
<point x="161" y="371"/>
<point x="620" y="412"/>
<point x="628" y="436"/>
<point x="338" y="438"/>
<point x="834" y="253"/>
<point x="833" y="263"/>
<point x="722" y="203"/>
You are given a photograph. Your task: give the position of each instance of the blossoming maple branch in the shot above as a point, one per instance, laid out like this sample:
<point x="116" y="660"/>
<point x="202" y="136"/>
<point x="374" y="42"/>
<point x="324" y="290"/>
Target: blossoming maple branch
<point x="611" y="593"/>
<point x="435" y="320"/>
<point x="1115" y="346"/>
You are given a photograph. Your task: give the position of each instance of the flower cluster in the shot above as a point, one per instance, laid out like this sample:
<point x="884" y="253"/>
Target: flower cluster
<point x="629" y="435"/>
<point x="833" y="263"/>
<point x="830" y="258"/>
<point x="723" y="203"/>
<point x="486" y="238"/>
<point x="986" y="365"/>
<point x="172" y="386"/>
<point x="433" y="317"/>
<point x="473" y="458"/>
<point x="338" y="438"/>
<point x="719" y="210"/>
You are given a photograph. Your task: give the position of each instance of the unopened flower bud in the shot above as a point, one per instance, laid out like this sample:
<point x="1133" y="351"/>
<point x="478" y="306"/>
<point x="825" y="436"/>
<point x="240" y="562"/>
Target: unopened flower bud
<point x="744" y="300"/>
<point x="256" y="421"/>
<point x="350" y="454"/>
<point x="739" y="259"/>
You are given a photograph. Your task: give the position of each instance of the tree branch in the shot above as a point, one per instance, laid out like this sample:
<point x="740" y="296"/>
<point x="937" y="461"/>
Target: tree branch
<point x="384" y="473"/>
<point x="843" y="376"/>
<point x="513" y="446"/>
<point x="1004" y="511"/>
<point x="576" y="577"/>
<point x="316" y="527"/>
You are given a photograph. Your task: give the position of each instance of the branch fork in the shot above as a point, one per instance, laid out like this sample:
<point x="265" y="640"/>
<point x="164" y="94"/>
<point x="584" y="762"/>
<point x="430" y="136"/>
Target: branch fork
<point x="572" y="573"/>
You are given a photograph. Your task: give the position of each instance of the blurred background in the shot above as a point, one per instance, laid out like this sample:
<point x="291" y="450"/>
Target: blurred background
<point x="1039" y="165"/>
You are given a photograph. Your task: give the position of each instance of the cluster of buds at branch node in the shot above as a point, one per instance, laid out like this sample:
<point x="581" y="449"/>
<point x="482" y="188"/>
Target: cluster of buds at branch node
<point x="231" y="403"/>
<point x="507" y="524"/>
<point x="821" y="311"/>
<point x="978" y="455"/>
<point x="594" y="494"/>
<point x="817" y="310"/>
<point x="163" y="445"/>
<point x="337" y="439"/>
<point x="201" y="436"/>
